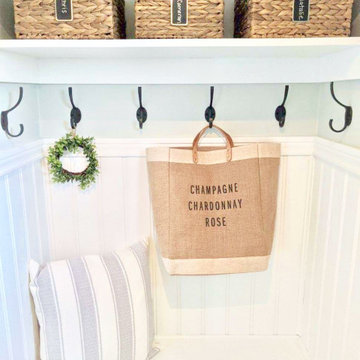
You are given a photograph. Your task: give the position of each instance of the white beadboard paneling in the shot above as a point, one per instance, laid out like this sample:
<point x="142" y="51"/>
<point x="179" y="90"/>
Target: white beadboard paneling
<point x="240" y="303"/>
<point x="321" y="253"/>
<point x="20" y="254"/>
<point x="10" y="271"/>
<point x="307" y="249"/>
<point x="348" y="242"/>
<point x="111" y="202"/>
<point x="64" y="241"/>
<point x="6" y="351"/>
<point x="167" y="299"/>
<point x="351" y="349"/>
<point x="291" y="243"/>
<point x="266" y="283"/>
<point x="310" y="262"/>
<point x="331" y="312"/>
<point x="215" y="304"/>
<point x="330" y="264"/>
<point x="192" y="296"/>
<point x="311" y="288"/>
<point x="87" y="208"/>
<point x="136" y="199"/>
<point x="116" y="212"/>
<point x="30" y="201"/>
<point x="23" y="234"/>
<point x="42" y="218"/>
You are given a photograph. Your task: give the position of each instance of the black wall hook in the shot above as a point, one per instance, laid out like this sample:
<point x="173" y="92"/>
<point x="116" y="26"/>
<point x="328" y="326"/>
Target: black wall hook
<point x="75" y="115"/>
<point x="280" y="112"/>
<point x="210" y="112"/>
<point x="141" y="113"/>
<point x="348" y="112"/>
<point x="5" y="120"/>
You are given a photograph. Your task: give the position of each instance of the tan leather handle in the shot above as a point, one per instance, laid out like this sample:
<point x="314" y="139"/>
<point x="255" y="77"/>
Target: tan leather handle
<point x="229" y="143"/>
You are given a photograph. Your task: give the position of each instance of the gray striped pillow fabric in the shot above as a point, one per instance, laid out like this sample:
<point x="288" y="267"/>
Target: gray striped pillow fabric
<point x="95" y="307"/>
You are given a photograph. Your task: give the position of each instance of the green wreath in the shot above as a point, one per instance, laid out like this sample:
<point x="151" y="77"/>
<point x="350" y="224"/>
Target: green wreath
<point x="71" y="142"/>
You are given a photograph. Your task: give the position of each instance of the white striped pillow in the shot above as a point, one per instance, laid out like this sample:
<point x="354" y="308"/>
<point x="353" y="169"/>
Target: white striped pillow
<point x="95" y="307"/>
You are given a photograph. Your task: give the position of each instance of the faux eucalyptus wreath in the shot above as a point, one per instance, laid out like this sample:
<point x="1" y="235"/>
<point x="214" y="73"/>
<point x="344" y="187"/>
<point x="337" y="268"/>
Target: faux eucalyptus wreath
<point x="71" y="142"/>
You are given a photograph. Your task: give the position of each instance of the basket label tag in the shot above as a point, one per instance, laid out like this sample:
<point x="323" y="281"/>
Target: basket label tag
<point x="179" y="12"/>
<point x="63" y="10"/>
<point x="301" y="10"/>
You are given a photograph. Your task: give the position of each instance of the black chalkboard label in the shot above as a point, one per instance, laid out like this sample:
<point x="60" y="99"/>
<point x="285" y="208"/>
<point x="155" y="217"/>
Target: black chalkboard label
<point x="64" y="10"/>
<point x="179" y="12"/>
<point x="301" y="10"/>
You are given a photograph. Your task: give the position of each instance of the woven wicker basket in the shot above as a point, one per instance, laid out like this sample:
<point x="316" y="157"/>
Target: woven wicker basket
<point x="153" y="19"/>
<point x="276" y="18"/>
<point x="87" y="19"/>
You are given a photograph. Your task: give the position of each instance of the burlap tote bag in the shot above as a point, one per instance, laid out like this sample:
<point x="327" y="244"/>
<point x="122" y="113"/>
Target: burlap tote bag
<point x="214" y="208"/>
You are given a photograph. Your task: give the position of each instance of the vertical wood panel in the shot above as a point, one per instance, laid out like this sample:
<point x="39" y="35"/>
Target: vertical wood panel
<point x="332" y="295"/>
<point x="348" y="242"/>
<point x="32" y="215"/>
<point x="266" y="283"/>
<point x="136" y="199"/>
<point x="192" y="295"/>
<point x="23" y="235"/>
<point x="351" y="349"/>
<point x="89" y="220"/>
<point x="331" y="258"/>
<point x="111" y="199"/>
<point x="306" y="245"/>
<point x="167" y="299"/>
<point x="20" y="254"/>
<point x="10" y="270"/>
<point x="321" y="253"/>
<point x="240" y="303"/>
<point x="5" y="339"/>
<point x="289" y="259"/>
<point x="64" y="235"/>
<point x="311" y="254"/>
<point x="42" y="216"/>
<point x="27" y="316"/>
<point x="215" y="304"/>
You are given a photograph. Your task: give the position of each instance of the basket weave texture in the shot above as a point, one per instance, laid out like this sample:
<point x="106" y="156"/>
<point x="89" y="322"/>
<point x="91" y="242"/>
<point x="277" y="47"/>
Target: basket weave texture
<point x="92" y="19"/>
<point x="153" y="20"/>
<point x="274" y="19"/>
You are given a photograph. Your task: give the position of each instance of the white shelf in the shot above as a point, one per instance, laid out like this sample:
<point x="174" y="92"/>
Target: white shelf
<point x="180" y="48"/>
<point x="181" y="61"/>
<point x="232" y="348"/>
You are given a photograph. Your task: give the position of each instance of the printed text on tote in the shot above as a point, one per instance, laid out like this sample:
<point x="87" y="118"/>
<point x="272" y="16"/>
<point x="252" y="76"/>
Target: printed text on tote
<point x="214" y="205"/>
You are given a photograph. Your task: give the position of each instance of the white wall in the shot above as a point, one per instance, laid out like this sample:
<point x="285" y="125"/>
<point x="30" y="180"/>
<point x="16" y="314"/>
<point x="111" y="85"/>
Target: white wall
<point x="23" y="235"/>
<point x="331" y="321"/>
<point x="178" y="111"/>
<point x="116" y="212"/>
